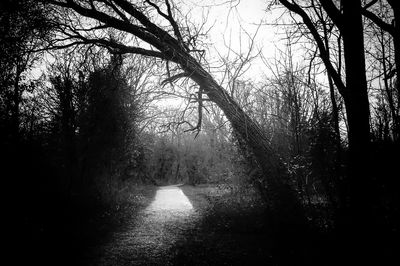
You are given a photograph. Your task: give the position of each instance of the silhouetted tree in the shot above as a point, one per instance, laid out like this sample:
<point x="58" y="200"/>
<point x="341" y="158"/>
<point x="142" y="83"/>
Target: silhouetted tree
<point x="359" y="190"/>
<point x="23" y="29"/>
<point x="67" y="111"/>
<point x="177" y="45"/>
<point x="381" y="34"/>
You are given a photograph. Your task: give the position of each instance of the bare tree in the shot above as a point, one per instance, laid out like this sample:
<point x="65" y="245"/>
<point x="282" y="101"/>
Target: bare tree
<point x="392" y="27"/>
<point x="23" y="27"/>
<point x="155" y="31"/>
<point x="382" y="50"/>
<point x="358" y="190"/>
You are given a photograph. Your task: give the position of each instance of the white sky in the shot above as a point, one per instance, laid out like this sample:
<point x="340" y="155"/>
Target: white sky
<point x="228" y="21"/>
<point x="231" y="18"/>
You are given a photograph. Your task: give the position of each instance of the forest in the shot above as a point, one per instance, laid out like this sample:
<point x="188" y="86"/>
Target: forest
<point x="180" y="132"/>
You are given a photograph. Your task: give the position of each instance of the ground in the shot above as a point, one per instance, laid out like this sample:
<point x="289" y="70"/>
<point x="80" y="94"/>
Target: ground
<point x="186" y="225"/>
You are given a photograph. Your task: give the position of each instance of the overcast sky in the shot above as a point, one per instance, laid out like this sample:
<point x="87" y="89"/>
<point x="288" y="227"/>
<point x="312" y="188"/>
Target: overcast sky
<point x="229" y="20"/>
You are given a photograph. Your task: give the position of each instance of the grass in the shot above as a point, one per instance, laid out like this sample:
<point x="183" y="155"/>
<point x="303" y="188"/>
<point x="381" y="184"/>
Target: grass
<point x="234" y="230"/>
<point x="231" y="231"/>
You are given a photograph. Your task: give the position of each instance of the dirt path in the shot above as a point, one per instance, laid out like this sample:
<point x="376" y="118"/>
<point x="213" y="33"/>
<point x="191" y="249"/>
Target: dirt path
<point x="185" y="225"/>
<point x="148" y="239"/>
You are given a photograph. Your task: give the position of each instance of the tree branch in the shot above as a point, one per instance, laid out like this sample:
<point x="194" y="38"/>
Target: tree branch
<point x="320" y="44"/>
<point x="378" y="21"/>
<point x="138" y="31"/>
<point x="174" y="78"/>
<point x="333" y="12"/>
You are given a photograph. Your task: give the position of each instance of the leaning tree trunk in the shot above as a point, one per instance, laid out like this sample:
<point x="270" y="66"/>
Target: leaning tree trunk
<point x="286" y="206"/>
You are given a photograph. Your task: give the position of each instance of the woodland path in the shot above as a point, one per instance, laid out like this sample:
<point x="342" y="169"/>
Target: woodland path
<point x="149" y="238"/>
<point x="182" y="227"/>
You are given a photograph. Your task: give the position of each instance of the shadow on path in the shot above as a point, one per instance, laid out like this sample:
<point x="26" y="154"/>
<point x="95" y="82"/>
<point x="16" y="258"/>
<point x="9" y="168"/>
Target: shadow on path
<point x="185" y="225"/>
<point x="231" y="231"/>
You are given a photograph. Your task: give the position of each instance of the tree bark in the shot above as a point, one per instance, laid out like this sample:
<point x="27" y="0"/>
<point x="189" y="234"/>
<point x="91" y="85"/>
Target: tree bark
<point x="357" y="218"/>
<point x="286" y="206"/>
<point x="356" y="102"/>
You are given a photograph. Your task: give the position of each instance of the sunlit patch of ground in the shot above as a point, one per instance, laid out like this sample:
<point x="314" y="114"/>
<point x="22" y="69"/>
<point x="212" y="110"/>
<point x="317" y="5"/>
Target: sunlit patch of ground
<point x="171" y="202"/>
